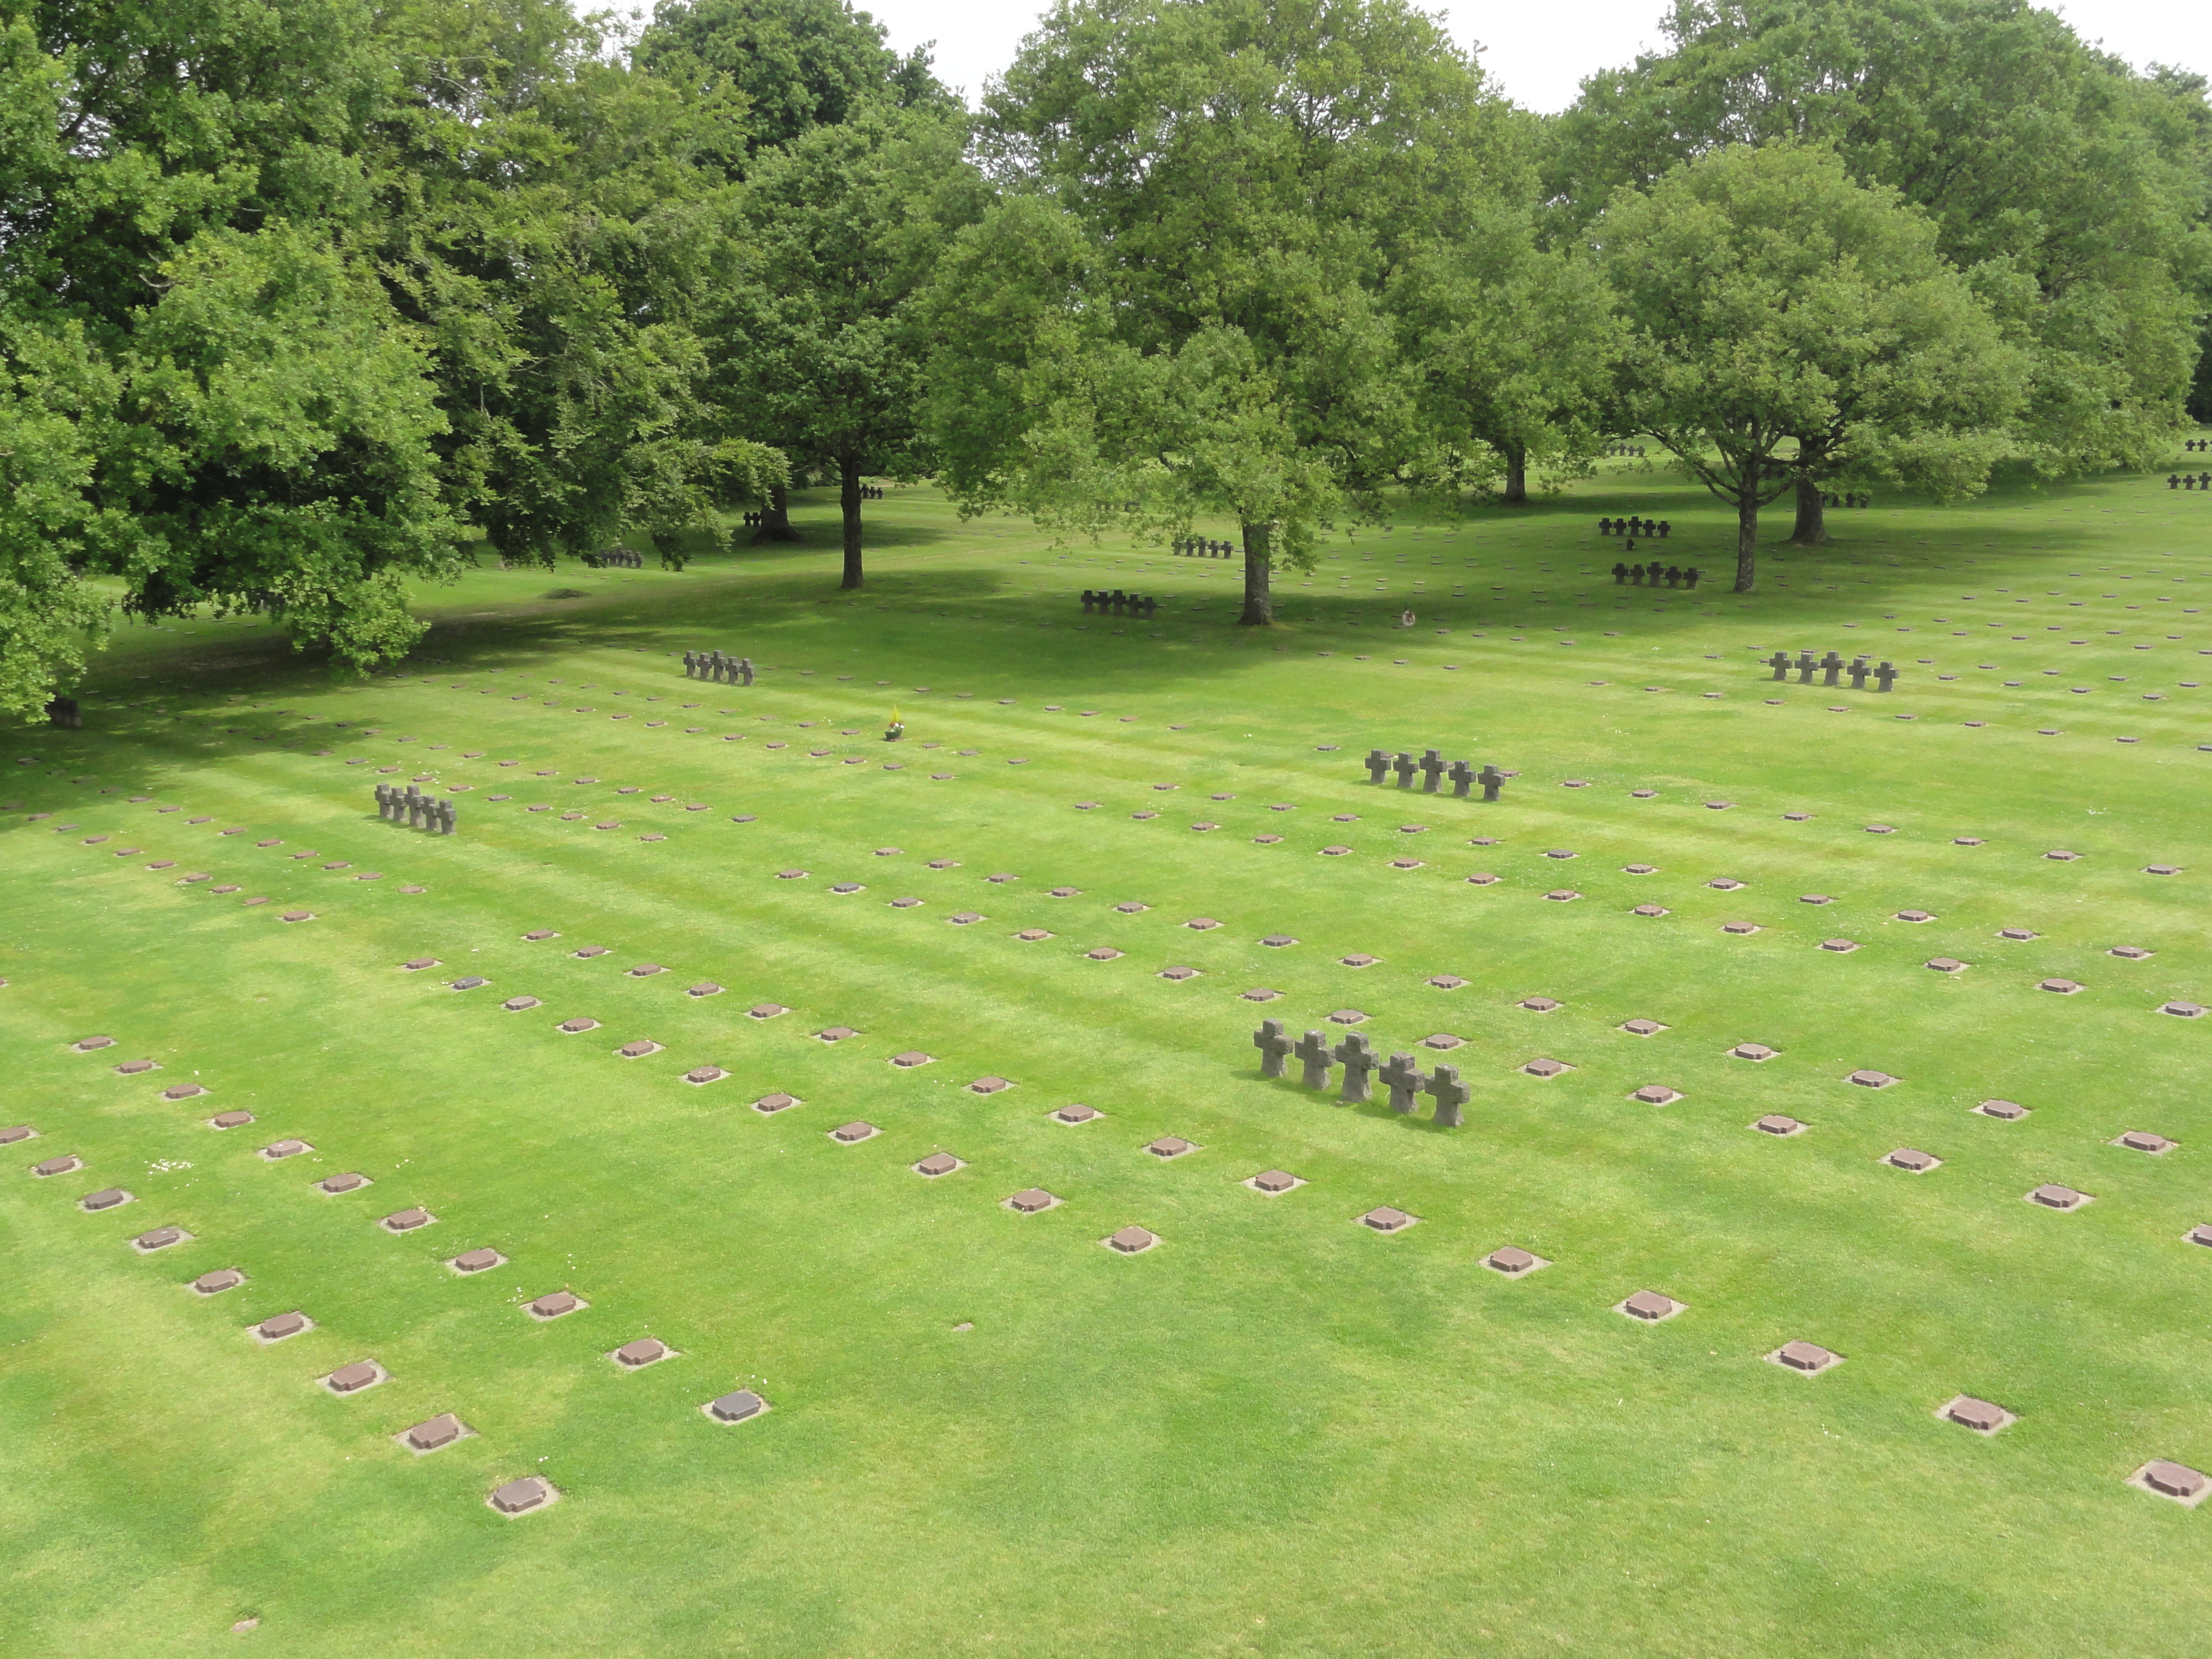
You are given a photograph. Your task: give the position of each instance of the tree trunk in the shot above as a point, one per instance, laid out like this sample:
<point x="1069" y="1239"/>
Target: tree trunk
<point x="1516" y="474"/>
<point x="1811" y="528"/>
<point x="776" y="520"/>
<point x="1747" y="529"/>
<point x="848" y="500"/>
<point x="1258" y="604"/>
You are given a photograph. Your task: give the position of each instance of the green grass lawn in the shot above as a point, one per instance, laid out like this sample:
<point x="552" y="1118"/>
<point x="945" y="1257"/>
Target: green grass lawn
<point x="1278" y="1432"/>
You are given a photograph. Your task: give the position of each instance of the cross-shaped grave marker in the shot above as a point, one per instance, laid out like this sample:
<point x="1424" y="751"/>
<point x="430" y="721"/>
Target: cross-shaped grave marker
<point x="1403" y="767"/>
<point x="1404" y="1080"/>
<point x="1312" y="1051"/>
<point x="1378" y="764"/>
<point x="1492" y="780"/>
<point x="1357" y="1055"/>
<point x="1274" y="1043"/>
<point x="1432" y="769"/>
<point x="1450" y="1094"/>
<point x="1462" y="777"/>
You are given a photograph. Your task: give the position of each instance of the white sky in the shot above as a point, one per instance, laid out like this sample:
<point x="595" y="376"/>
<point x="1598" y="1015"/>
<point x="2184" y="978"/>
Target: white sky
<point x="1537" y="55"/>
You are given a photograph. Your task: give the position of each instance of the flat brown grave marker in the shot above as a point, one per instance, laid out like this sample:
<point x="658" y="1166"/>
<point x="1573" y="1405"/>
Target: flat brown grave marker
<point x="910" y="1059"/>
<point x="92" y="1044"/>
<point x="2052" y="1196"/>
<point x="1910" y="1160"/>
<point x="1032" y="935"/>
<point x="1347" y="1016"/>
<point x="937" y="1164"/>
<point x="276" y="1151"/>
<point x="520" y="1497"/>
<point x="2128" y="952"/>
<point x="1657" y="1094"/>
<point x="1649" y="1306"/>
<point x="1272" y="1181"/>
<point x="136" y="1067"/>
<point x="769" y="1105"/>
<point x="988" y="1085"/>
<point x="1778" y="1123"/>
<point x="1513" y="1261"/>
<point x="54" y="1166"/>
<point x="1542" y="1066"/>
<point x="1753" y="1051"/>
<point x="735" y="1407"/>
<point x="572" y="1027"/>
<point x="2008" y="1109"/>
<point x="1030" y="1200"/>
<point x="278" y="1326"/>
<point x="699" y="1076"/>
<point x="1384" y="1219"/>
<point x="1075" y="1113"/>
<point x="1446" y="981"/>
<point x="1649" y="910"/>
<point x="1871" y="1079"/>
<point x="1982" y="1416"/>
<point x="350" y="1182"/>
<point x="107" y="1198"/>
<point x="352" y="1379"/>
<point x="14" y="1132"/>
<point x="2142" y="1140"/>
<point x="639" y="1049"/>
<point x="2018" y="933"/>
<point x="1740" y="928"/>
<point x="556" y="1303"/>
<point x="406" y="1221"/>
<point x="2175" y="1481"/>
<point x="1130" y="1241"/>
<point x="433" y="1433"/>
<point x="2064" y="987"/>
<point x="1915" y="916"/>
<point x="766" y="1011"/>
<point x="2183" y="1010"/>
<point x="475" y="1261"/>
<point x="643" y="1351"/>
<point x="159" y="1238"/>
<point x="1805" y="1357"/>
<point x="1103" y="953"/>
<point x="1170" y="1146"/>
<point x="182" y="1091"/>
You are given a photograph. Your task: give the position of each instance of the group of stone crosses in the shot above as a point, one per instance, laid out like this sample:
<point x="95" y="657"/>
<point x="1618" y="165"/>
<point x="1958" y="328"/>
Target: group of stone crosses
<point x="1191" y="547"/>
<point x="1432" y="769"/>
<point x="417" y="810"/>
<point x="1119" y="604"/>
<point x="616" y="556"/>
<point x="1646" y="528"/>
<point x="715" y="666"/>
<point x="1400" y="1073"/>
<point x="1632" y="450"/>
<point x="1650" y="575"/>
<point x="2195" y="444"/>
<point x="1852" y="499"/>
<point x="2202" y="480"/>
<point x="1885" y="675"/>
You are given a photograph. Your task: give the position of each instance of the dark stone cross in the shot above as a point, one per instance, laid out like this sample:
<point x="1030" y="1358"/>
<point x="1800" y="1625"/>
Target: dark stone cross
<point x="1312" y="1051"/>
<point x="1887" y="675"/>
<point x="1636" y="574"/>
<point x="1357" y="1055"/>
<point x="1378" y="763"/>
<point x="1858" y="673"/>
<point x="1462" y="775"/>
<point x="1450" y="1093"/>
<point x="1620" y="574"/>
<point x="1492" y="780"/>
<point x="1833" y="665"/>
<point x="1432" y="769"/>
<point x="1689" y="576"/>
<point x="1805" y="667"/>
<point x="1779" y="662"/>
<point x="1404" y="1079"/>
<point x="1274" y="1043"/>
<point x="744" y="670"/>
<point x="1403" y="767"/>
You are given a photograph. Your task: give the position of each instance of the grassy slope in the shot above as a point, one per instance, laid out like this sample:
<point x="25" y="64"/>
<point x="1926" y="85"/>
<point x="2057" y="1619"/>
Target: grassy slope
<point x="1277" y="1434"/>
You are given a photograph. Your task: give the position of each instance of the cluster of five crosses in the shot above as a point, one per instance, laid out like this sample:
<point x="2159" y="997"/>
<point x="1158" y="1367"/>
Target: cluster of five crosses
<point x="1431" y="768"/>
<point x="713" y="665"/>
<point x="417" y="810"/>
<point x="1400" y="1074"/>
<point x="1885" y="675"/>
<point x="1097" y="602"/>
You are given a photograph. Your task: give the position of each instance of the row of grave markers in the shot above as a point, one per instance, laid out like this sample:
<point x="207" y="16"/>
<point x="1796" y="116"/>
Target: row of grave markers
<point x="1432" y="767"/>
<point x="1400" y="1074"/>
<point x="417" y="810"/>
<point x="2201" y="481"/>
<point x="1645" y="528"/>
<point x="1118" y="603"/>
<point x="1191" y="547"/>
<point x="718" y="667"/>
<point x="1848" y="498"/>
<point x="1885" y="676"/>
<point x="1650" y="575"/>
<point x="616" y="558"/>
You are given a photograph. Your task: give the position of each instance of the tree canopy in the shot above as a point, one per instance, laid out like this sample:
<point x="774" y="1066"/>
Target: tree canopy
<point x="1782" y="315"/>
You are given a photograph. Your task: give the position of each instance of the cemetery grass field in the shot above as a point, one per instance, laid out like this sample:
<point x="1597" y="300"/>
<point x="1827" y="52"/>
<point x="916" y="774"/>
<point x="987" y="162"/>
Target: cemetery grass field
<point x="1277" y="1432"/>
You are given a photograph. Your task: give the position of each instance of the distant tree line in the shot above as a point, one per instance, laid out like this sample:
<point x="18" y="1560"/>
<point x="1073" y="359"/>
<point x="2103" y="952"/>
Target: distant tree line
<point x="301" y="298"/>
